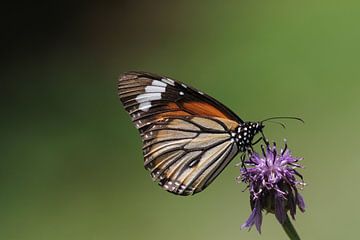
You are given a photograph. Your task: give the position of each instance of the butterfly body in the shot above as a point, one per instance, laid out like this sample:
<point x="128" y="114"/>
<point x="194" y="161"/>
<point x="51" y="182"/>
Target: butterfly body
<point x="188" y="136"/>
<point x="245" y="133"/>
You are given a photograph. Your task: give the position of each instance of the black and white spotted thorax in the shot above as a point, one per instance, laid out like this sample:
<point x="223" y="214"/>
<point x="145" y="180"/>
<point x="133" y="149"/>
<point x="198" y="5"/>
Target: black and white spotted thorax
<point x="245" y="133"/>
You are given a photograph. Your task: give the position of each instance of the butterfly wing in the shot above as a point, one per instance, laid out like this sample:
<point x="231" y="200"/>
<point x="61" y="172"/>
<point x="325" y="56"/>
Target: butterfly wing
<point x="185" y="154"/>
<point x="148" y="97"/>
<point x="187" y="135"/>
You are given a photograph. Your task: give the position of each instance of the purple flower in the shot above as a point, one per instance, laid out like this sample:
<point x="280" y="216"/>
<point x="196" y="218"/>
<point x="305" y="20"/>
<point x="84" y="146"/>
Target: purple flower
<point x="272" y="181"/>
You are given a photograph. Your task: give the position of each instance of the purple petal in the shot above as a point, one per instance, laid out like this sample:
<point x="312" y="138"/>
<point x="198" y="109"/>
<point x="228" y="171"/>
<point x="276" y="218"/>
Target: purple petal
<point x="269" y="155"/>
<point x="280" y="211"/>
<point x="255" y="158"/>
<point x="292" y="205"/>
<point x="254" y="218"/>
<point x="258" y="221"/>
<point x="300" y="202"/>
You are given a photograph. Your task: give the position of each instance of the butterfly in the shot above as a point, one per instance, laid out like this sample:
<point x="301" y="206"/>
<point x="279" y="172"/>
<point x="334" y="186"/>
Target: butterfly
<point x="188" y="137"/>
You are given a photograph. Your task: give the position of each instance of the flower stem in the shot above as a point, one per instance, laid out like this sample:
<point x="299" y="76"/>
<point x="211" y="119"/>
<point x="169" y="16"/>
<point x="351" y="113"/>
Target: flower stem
<point x="289" y="229"/>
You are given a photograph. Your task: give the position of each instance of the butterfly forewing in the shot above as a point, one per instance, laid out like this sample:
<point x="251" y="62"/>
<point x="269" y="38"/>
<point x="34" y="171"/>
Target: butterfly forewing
<point x="187" y="135"/>
<point x="148" y="97"/>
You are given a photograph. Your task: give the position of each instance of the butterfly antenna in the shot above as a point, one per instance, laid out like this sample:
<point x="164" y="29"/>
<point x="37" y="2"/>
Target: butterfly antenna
<point x="293" y="118"/>
<point x="280" y="123"/>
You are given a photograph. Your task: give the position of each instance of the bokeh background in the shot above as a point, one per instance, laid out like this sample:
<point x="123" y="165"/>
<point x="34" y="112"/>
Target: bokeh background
<point x="71" y="162"/>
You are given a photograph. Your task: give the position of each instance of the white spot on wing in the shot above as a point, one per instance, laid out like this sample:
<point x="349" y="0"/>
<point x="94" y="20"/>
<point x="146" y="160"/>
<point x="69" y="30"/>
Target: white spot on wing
<point x="181" y="93"/>
<point x="152" y="88"/>
<point x="152" y="93"/>
<point x="145" y="106"/>
<point x="168" y="81"/>
<point x="158" y="83"/>
<point x="147" y="97"/>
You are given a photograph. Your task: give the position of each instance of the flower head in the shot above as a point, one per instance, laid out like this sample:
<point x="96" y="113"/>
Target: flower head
<point x="272" y="181"/>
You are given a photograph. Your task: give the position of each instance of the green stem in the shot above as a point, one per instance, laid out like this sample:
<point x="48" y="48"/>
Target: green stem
<point x="289" y="229"/>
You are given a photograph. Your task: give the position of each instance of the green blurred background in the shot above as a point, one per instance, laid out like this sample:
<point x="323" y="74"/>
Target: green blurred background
<point x="71" y="160"/>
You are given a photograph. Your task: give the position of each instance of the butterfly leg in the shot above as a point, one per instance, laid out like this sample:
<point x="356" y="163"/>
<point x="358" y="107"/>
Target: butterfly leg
<point x="264" y="139"/>
<point x="249" y="151"/>
<point x="242" y="161"/>
<point x="257" y="141"/>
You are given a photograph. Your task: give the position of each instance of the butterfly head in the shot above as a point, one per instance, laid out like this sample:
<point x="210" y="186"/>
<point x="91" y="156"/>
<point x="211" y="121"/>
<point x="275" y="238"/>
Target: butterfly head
<point x="246" y="133"/>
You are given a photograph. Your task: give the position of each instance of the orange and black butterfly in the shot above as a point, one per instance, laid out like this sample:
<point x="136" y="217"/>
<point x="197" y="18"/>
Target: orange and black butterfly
<point x="188" y="137"/>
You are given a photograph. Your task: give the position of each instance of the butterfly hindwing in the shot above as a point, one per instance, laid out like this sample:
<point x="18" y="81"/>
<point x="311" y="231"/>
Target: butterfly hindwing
<point x="185" y="154"/>
<point x="187" y="135"/>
